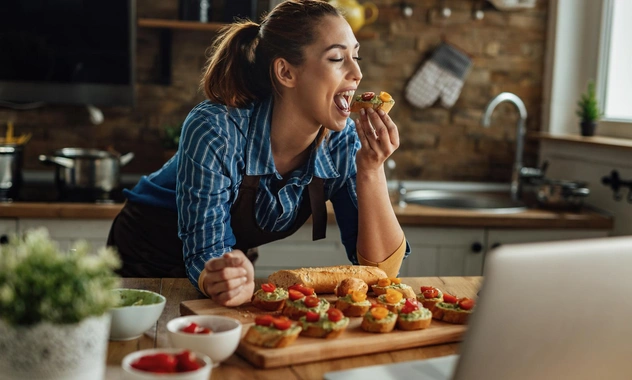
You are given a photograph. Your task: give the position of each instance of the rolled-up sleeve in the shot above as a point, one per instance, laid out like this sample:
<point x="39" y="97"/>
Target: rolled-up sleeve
<point x="203" y="192"/>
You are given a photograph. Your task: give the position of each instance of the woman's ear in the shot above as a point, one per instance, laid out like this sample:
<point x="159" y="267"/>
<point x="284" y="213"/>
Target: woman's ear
<point x="284" y="73"/>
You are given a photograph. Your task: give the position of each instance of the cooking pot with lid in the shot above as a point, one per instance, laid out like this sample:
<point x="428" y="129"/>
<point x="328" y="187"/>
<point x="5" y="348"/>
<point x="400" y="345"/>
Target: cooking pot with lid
<point x="10" y="171"/>
<point x="88" y="171"/>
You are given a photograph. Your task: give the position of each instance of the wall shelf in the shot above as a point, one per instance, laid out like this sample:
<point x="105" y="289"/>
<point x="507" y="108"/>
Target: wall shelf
<point x="178" y="24"/>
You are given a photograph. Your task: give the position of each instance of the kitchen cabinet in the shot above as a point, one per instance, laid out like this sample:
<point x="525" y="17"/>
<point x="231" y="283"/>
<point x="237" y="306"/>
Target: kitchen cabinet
<point x="68" y="231"/>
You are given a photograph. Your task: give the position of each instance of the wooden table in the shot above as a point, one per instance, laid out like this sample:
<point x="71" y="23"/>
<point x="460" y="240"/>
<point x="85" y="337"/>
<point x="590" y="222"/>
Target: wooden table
<point x="180" y="289"/>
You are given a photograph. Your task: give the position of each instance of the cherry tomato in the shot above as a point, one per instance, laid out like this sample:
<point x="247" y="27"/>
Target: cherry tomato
<point x="190" y="329"/>
<point x="449" y="298"/>
<point x="311" y="301"/>
<point x="430" y="293"/>
<point x="186" y="361"/>
<point x="282" y="323"/>
<point x="295" y="295"/>
<point x="424" y="288"/>
<point x="410" y="306"/>
<point x="203" y="330"/>
<point x="303" y="289"/>
<point x="312" y="316"/>
<point x="334" y="314"/>
<point x="264" y="320"/>
<point x="268" y="288"/>
<point x="466" y="303"/>
<point x="368" y="96"/>
<point x="158" y="363"/>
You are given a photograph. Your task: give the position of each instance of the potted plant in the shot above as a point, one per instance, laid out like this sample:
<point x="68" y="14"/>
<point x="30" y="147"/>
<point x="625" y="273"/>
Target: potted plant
<point x="588" y="111"/>
<point x="54" y="319"/>
<point x="171" y="139"/>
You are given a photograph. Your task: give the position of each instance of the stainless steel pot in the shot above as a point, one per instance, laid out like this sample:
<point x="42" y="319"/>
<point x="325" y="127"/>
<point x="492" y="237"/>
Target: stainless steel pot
<point x="10" y="171"/>
<point x="562" y="194"/>
<point x="89" y="170"/>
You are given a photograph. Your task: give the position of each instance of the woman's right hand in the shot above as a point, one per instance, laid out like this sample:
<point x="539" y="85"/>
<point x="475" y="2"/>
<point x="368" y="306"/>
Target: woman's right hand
<point x="230" y="279"/>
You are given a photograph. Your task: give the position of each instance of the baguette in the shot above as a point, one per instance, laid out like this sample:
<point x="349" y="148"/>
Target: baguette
<point x="450" y="315"/>
<point x="325" y="279"/>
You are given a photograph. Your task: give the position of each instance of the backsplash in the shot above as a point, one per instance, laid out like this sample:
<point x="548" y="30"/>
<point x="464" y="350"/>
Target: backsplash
<point x="506" y="49"/>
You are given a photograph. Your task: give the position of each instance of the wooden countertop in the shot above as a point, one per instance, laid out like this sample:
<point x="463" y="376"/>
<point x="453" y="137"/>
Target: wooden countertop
<point x="180" y="289"/>
<point x="412" y="215"/>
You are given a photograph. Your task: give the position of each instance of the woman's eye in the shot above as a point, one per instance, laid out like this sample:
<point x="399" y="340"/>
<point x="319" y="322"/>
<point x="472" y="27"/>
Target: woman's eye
<point x="357" y="58"/>
<point x="336" y="59"/>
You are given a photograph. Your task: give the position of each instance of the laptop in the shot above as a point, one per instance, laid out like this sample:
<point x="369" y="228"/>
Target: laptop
<point x="555" y="310"/>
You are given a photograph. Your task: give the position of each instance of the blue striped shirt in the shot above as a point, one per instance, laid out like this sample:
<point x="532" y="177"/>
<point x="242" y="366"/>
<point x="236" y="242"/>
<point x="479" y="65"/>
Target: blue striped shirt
<point x="218" y="146"/>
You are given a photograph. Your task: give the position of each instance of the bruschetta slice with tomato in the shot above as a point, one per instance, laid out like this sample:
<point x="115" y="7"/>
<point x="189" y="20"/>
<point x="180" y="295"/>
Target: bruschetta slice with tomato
<point x="379" y="320"/>
<point x="453" y="309"/>
<point x="429" y="297"/>
<point x="272" y="332"/>
<point x="269" y="297"/>
<point x="395" y="284"/>
<point x="354" y="304"/>
<point x="302" y="299"/>
<point x="413" y="317"/>
<point x="383" y="101"/>
<point x="327" y="325"/>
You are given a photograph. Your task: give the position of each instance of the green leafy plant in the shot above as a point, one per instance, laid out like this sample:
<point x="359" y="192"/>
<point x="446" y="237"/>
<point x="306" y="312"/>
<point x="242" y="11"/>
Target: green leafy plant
<point x="171" y="137"/>
<point x="587" y="105"/>
<point x="39" y="282"/>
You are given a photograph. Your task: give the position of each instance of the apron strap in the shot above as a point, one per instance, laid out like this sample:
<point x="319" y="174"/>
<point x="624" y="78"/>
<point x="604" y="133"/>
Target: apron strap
<point x="319" y="209"/>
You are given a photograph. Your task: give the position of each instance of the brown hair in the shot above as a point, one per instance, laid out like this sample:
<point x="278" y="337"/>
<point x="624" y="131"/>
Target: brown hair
<point x="239" y="69"/>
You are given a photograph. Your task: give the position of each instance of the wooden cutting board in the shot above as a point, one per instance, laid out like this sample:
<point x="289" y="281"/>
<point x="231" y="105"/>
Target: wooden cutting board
<point x="353" y="341"/>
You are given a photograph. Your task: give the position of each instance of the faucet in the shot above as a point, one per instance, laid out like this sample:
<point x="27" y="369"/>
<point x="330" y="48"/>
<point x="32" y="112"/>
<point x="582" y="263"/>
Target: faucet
<point x="487" y="115"/>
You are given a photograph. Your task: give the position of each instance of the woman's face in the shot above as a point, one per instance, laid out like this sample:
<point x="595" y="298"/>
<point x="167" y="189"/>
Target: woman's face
<point x="330" y="74"/>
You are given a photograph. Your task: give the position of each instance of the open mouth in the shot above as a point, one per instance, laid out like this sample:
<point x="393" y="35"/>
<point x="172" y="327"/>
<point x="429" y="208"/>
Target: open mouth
<point x="343" y="100"/>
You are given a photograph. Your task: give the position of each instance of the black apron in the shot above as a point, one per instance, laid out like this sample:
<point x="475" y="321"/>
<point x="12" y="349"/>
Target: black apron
<point x="147" y="241"/>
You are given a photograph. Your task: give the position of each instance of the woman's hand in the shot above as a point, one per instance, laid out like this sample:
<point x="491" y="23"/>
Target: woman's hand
<point x="230" y="279"/>
<point x="379" y="137"/>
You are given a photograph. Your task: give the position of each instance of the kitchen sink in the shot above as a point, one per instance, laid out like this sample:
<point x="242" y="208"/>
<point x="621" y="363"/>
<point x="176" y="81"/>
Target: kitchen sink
<point x="482" y="197"/>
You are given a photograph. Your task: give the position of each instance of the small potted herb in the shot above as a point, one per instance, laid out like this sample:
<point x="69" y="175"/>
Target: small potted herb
<point x="588" y="111"/>
<point x="54" y="319"/>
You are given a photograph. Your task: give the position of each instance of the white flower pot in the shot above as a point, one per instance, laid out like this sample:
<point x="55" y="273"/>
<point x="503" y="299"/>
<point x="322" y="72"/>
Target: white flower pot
<point x="55" y="351"/>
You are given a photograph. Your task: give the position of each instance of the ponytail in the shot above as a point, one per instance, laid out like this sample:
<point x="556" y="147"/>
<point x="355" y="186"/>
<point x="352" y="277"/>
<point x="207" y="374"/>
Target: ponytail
<point x="228" y="76"/>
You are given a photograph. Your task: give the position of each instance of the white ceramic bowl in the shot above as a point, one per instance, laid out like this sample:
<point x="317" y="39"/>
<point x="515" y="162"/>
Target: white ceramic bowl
<point x="218" y="345"/>
<point x="130" y="373"/>
<point x="139" y="311"/>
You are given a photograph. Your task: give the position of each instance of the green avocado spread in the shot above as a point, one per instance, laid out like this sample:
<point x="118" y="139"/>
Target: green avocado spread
<point x="416" y="315"/>
<point x="325" y="323"/>
<point x="348" y="299"/>
<point x="389" y="318"/>
<point x="271" y="330"/>
<point x="300" y="305"/>
<point x="276" y="295"/>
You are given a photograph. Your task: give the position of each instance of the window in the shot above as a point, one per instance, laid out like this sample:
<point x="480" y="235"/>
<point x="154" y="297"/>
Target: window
<point x="615" y="66"/>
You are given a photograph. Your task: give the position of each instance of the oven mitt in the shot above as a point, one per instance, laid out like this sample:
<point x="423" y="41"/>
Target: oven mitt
<point x="442" y="76"/>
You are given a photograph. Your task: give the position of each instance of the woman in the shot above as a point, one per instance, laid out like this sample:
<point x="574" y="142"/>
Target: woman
<point x="272" y="143"/>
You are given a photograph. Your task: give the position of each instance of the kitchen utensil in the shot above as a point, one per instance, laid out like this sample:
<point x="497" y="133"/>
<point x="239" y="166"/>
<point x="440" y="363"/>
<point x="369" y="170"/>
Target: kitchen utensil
<point x="10" y="170"/>
<point x="92" y="172"/>
<point x="562" y="194"/>
<point x="355" y="13"/>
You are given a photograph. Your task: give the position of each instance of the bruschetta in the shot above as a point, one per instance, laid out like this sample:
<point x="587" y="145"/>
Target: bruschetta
<point x="327" y="325"/>
<point x="429" y="297"/>
<point x="454" y="310"/>
<point x="392" y="300"/>
<point x="353" y="304"/>
<point x="383" y="101"/>
<point x="301" y="300"/>
<point x="272" y="332"/>
<point x="379" y="320"/>
<point x="395" y="284"/>
<point x="413" y="317"/>
<point x="269" y="297"/>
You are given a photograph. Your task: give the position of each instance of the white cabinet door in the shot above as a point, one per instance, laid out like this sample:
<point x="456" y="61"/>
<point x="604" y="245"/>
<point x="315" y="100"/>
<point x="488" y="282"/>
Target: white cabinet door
<point x="444" y="252"/>
<point x="67" y="231"/>
<point x="298" y="250"/>
<point x="8" y="227"/>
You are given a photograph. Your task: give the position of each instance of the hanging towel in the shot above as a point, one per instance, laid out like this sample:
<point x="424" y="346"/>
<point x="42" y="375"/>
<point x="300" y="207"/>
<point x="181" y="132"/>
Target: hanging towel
<point x="442" y="76"/>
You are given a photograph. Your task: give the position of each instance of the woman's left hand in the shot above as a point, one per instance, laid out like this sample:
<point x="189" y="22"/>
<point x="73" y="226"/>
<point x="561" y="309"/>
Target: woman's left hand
<point x="379" y="137"/>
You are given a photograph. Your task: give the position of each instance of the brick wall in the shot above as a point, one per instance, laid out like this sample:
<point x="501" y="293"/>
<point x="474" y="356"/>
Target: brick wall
<point x="507" y="50"/>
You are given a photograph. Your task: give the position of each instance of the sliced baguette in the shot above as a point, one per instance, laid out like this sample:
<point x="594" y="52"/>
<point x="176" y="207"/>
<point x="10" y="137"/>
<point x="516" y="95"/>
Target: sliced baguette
<point x="351" y="310"/>
<point x="377" y="327"/>
<point x="325" y="279"/>
<point x="457" y="316"/>
<point x="270" y="340"/>
<point x="406" y="290"/>
<point x="357" y="105"/>
<point x="267" y="305"/>
<point x="315" y="331"/>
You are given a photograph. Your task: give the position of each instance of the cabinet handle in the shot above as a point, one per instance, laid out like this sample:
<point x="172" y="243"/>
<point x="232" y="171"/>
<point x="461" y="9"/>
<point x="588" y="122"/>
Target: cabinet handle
<point x="477" y="247"/>
<point x="4" y="239"/>
<point x="496" y="245"/>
